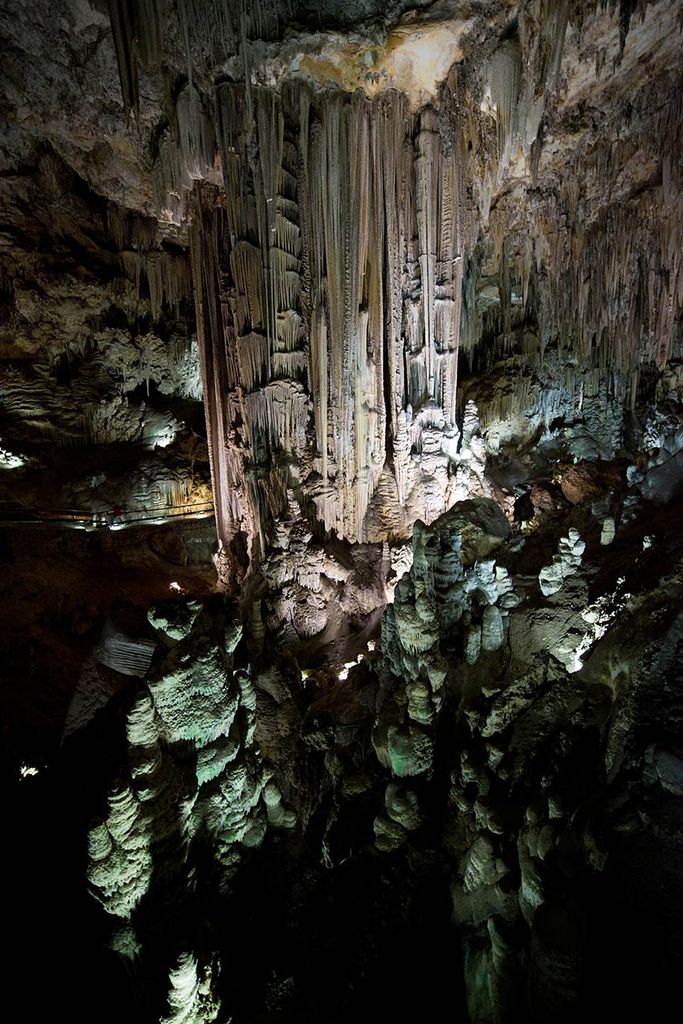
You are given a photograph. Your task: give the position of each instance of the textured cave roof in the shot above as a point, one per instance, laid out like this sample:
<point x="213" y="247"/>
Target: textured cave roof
<point x="61" y="88"/>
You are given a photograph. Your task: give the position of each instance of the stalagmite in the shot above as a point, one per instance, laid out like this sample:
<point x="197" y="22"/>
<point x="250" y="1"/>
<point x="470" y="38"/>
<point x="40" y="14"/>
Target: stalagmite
<point x="565" y="563"/>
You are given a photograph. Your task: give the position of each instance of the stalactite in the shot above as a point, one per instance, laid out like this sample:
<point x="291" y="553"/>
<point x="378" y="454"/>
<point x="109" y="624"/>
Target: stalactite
<point x="195" y="134"/>
<point x="591" y="257"/>
<point x="339" y="271"/>
<point x="168" y="277"/>
<point x="225" y="418"/>
<point x="276" y="418"/>
<point x="211" y="30"/>
<point x="505" y="77"/>
<point x="169" y="280"/>
<point x="267" y="172"/>
<point x="254" y="360"/>
<point x="615" y="274"/>
<point x="131" y="230"/>
<point x="427" y="173"/>
<point x="121" y="19"/>
<point x="329" y="204"/>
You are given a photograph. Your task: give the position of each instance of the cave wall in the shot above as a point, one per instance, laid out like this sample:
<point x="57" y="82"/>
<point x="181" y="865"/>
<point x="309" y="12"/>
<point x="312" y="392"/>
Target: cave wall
<point x="379" y="237"/>
<point x="372" y="244"/>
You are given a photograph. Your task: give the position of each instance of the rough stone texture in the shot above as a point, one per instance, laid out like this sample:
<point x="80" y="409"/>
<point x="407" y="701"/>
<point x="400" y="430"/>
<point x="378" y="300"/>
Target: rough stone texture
<point x="346" y="227"/>
<point x="542" y="789"/>
<point x="447" y="598"/>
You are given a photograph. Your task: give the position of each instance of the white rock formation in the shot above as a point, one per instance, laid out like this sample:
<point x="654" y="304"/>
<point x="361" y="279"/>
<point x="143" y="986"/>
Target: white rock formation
<point x="608" y="531"/>
<point x="190" y="999"/>
<point x="565" y="563"/>
<point x="194" y="765"/>
<point x="452" y="590"/>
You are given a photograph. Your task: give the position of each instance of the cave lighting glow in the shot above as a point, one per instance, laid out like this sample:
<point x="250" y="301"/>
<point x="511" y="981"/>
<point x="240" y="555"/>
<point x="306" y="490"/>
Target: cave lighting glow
<point x="8" y="460"/>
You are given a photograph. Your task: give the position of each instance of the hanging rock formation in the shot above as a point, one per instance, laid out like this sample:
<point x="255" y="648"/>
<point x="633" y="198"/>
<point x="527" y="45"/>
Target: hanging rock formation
<point x="347" y="245"/>
<point x="330" y="340"/>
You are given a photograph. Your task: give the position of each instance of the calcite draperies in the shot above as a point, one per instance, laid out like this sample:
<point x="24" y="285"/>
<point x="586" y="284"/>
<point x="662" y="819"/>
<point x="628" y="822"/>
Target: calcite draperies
<point x="337" y="237"/>
<point x="328" y="281"/>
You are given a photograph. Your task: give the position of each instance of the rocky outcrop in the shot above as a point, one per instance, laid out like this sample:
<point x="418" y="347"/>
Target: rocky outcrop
<point x="451" y="603"/>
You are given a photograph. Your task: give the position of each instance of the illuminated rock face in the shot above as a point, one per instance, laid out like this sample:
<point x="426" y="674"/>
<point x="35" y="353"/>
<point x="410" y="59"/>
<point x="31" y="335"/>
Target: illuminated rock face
<point x="194" y="767"/>
<point x="382" y="209"/>
<point x="443" y="196"/>
<point x="366" y="210"/>
<point x="331" y="316"/>
<point x="536" y="748"/>
<point x="448" y="599"/>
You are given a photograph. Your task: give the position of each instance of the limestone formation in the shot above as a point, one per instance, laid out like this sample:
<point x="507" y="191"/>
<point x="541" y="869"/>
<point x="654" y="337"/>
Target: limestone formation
<point x="564" y="563"/>
<point x="341" y="466"/>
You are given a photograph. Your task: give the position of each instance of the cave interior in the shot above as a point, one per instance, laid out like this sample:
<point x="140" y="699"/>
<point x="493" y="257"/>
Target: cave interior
<point x="341" y="481"/>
